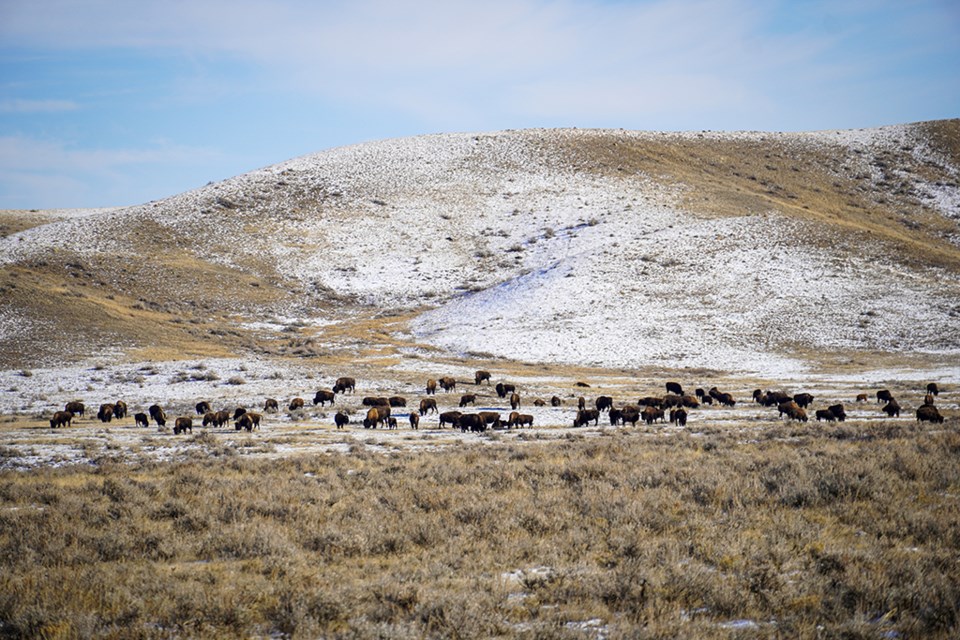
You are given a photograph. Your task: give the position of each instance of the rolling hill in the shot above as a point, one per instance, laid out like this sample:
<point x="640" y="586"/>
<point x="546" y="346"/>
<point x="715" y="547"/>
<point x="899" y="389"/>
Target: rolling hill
<point x="752" y="252"/>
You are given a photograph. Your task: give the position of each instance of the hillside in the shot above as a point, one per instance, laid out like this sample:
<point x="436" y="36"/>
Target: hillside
<point x="743" y="251"/>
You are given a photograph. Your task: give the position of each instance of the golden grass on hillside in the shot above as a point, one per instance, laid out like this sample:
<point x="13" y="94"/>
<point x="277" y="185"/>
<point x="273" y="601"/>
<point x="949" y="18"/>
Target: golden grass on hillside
<point x="807" y="531"/>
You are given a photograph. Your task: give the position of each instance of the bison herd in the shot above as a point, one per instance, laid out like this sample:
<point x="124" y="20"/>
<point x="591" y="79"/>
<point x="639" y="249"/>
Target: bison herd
<point x="378" y="411"/>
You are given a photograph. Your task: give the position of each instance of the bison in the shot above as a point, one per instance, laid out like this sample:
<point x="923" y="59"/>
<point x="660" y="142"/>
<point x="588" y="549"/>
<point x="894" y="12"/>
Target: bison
<point x="414" y="420"/>
<point x="140" y="419"/>
<point x="203" y="408"/>
<point x="239" y="411"/>
<point x="861" y="397"/>
<point x="296" y="403"/>
<point x="75" y="407"/>
<point x="581" y="403"/>
<point x="825" y="414"/>
<point x="341" y="419"/>
<point x="105" y="414"/>
<point x="119" y="409"/>
<point x="431" y="387"/>
<point x="933" y="389"/>
<point x="61" y="419"/>
<point x="248" y="421"/>
<point x="838" y="412"/>
<point x="555" y="401"/>
<point x="472" y="422"/>
<point x="514" y="401"/>
<point x="803" y="400"/>
<point x="491" y="418"/>
<point x="604" y="403"/>
<point x="271" y="404"/>
<point x="342" y="385"/>
<point x="520" y="419"/>
<point x="467" y="398"/>
<point x="630" y="414"/>
<point x="584" y="416"/>
<point x="480" y="376"/>
<point x="928" y="399"/>
<point x="376" y="416"/>
<point x="427" y="405"/>
<point x="223" y="417"/>
<point x="675" y="388"/>
<point x="929" y="413"/>
<point x="678" y="417"/>
<point x="447" y="383"/>
<point x="504" y="389"/>
<point x="322" y="397"/>
<point x="374" y="401"/>
<point x="182" y="425"/>
<point x="449" y="417"/>
<point x="651" y="414"/>
<point x="884" y="395"/>
<point x="397" y="401"/>
<point x="892" y="408"/>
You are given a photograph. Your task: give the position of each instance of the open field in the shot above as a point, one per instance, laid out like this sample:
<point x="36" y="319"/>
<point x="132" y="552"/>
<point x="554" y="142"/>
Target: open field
<point x="567" y="262"/>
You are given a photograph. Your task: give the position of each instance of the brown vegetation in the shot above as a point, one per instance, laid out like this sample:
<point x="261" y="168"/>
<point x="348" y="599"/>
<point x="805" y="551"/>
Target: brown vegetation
<point x="806" y="531"/>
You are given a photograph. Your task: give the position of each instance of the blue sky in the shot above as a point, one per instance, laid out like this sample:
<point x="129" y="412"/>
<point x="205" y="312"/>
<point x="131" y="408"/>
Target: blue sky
<point x="107" y="103"/>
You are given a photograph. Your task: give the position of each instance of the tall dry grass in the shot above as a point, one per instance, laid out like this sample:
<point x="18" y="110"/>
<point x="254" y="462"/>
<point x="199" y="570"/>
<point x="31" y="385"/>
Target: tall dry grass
<point x="805" y="532"/>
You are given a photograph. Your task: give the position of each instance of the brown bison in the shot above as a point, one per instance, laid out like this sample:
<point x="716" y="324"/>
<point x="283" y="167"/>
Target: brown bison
<point x="539" y="402"/>
<point x="431" y="387"/>
<point x="376" y="416"/>
<point x="675" y="388"/>
<point x="678" y="417"/>
<point x="472" y="422"/>
<point x="671" y="400"/>
<point x="933" y="389"/>
<point x="604" y="403"/>
<point x="514" y="401"/>
<point x="793" y="411"/>
<point x="182" y="425"/>
<point x="61" y="419"/>
<point x="803" y="400"/>
<point x="248" y="421"/>
<point x="342" y="385"/>
<point x="239" y="411"/>
<point x="861" y="397"/>
<point x="427" y="405"/>
<point x="928" y="399"/>
<point x="223" y="417"/>
<point x="322" y="397"/>
<point x="555" y="401"/>
<point x="774" y="398"/>
<point x="271" y="404"/>
<point x="825" y="414"/>
<point x="447" y="383"/>
<point x="838" y="412"/>
<point x="449" y="417"/>
<point x="630" y="414"/>
<point x="884" y="395"/>
<point x="119" y="409"/>
<point x="929" y="413"/>
<point x="581" y="403"/>
<point x="584" y="416"/>
<point x="480" y="376"/>
<point x="690" y="402"/>
<point x="520" y="419"/>
<point x="414" y="420"/>
<point x="105" y="414"/>
<point x="467" y="398"/>
<point x="504" y="389"/>
<point x="491" y="418"/>
<point x="296" y="403"/>
<point x="650" y="401"/>
<point x="210" y="418"/>
<point x="892" y="408"/>
<point x="203" y="408"/>
<point x="374" y="401"/>
<point x="75" y="407"/>
<point x="140" y="419"/>
<point x="651" y="414"/>
<point x="341" y="419"/>
<point x="397" y="401"/>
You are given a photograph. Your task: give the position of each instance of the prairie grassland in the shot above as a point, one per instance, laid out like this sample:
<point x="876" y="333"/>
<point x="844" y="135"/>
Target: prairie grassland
<point x="803" y="531"/>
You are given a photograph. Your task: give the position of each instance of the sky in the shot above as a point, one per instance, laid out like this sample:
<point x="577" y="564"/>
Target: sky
<point x="111" y="103"/>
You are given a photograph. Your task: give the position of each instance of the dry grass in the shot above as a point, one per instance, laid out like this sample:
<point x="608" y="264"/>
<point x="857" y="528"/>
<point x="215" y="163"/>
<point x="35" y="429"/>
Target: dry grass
<point x="805" y="531"/>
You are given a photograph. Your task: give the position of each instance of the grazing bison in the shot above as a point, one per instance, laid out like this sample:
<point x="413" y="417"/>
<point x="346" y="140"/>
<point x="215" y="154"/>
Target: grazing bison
<point x="861" y="397"/>
<point x="700" y="393"/>
<point x="75" y="407"/>
<point x="650" y="401"/>
<point x="480" y="376"/>
<point x="61" y="419"/>
<point x="540" y="402"/>
<point x="581" y="403"/>
<point x="239" y="411"/>
<point x="376" y="416"/>
<point x="884" y="395"/>
<point x="892" y="408"/>
<point x="397" y="401"/>
<point x="671" y="400"/>
<point x="615" y="416"/>
<point x="223" y="417"/>
<point x="726" y="399"/>
<point x="803" y="400"/>
<point x="119" y="409"/>
<point x="341" y="419"/>
<point x="928" y="399"/>
<point x="203" y="408"/>
<point x="342" y="385"/>
<point x="491" y="418"/>
<point x="414" y="420"/>
<point x="210" y="418"/>
<point x="322" y="397"/>
<point x="555" y="401"/>
<point x="651" y="414"/>
<point x="675" y="388"/>
<point x="391" y="423"/>
<point x="604" y="403"/>
<point x="105" y="414"/>
<point x="520" y="419"/>
<point x="825" y="414"/>
<point x="471" y="422"/>
<point x="787" y="406"/>
<point x="710" y="399"/>
<point x="182" y="425"/>
<point x="929" y="413"/>
<point x="794" y="412"/>
<point x="630" y="414"/>
<point x="690" y="402"/>
<point x="449" y="417"/>
<point x="933" y="389"/>
<point x="514" y="401"/>
<point x="140" y="419"/>
<point x="431" y="387"/>
<point x="467" y="398"/>
<point x="678" y="417"/>
<point x="447" y="383"/>
<point x="584" y="416"/>
<point x="775" y="398"/>
<point x="157" y="414"/>
<point x="248" y="421"/>
<point x="427" y="405"/>
<point x="504" y="389"/>
<point x="296" y="403"/>
<point x="838" y="412"/>
<point x="271" y="404"/>
<point x="374" y="401"/>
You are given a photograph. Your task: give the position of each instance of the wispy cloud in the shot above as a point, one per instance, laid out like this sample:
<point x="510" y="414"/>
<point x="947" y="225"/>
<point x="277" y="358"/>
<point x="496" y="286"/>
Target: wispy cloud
<point x="37" y="106"/>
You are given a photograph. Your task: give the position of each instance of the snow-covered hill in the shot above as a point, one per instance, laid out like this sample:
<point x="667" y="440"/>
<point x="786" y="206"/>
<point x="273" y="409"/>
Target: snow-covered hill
<point x="739" y="251"/>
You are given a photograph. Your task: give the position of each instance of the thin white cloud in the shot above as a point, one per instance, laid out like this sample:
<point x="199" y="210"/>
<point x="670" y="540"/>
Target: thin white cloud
<point x="37" y="106"/>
